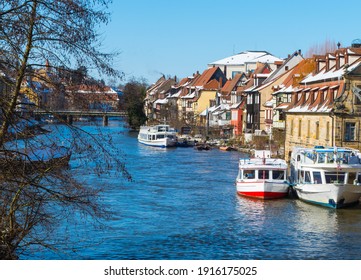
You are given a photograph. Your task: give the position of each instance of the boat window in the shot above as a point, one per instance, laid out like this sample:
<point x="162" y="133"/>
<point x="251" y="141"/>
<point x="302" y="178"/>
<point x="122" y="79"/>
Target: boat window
<point x="249" y="174"/>
<point x="317" y="179"/>
<point x="342" y="157"/>
<point x="358" y="178"/>
<point x="160" y="136"/>
<point x="278" y="175"/>
<point x="354" y="159"/>
<point x="153" y="137"/>
<point x="321" y="158"/>
<point x="351" y="177"/>
<point x="307" y="176"/>
<point x="263" y="174"/>
<point x="300" y="176"/>
<point x="334" y="177"/>
<point x="329" y="157"/>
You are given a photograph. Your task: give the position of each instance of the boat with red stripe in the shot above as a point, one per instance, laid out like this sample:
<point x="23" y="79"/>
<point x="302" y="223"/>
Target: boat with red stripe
<point x="262" y="176"/>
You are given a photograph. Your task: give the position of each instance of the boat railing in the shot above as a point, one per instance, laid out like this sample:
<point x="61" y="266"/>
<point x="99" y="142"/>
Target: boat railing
<point x="328" y="157"/>
<point x="272" y="162"/>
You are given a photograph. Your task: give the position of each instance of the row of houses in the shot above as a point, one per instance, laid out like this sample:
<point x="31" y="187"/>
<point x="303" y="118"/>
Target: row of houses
<point x="313" y="101"/>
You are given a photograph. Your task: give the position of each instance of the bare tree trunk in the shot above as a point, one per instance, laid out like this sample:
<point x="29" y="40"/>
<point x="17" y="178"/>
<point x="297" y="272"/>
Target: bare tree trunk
<point x="9" y="113"/>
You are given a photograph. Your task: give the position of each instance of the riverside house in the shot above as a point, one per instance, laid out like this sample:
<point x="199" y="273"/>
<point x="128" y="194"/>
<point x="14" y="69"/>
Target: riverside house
<point x="155" y="101"/>
<point x="326" y="107"/>
<point x="245" y="62"/>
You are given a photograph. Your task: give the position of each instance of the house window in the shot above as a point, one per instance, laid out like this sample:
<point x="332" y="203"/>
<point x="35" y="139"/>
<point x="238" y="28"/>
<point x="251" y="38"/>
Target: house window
<point x="292" y="127"/>
<point x="317" y="130"/>
<point x="299" y="127"/>
<point x="358" y="96"/>
<point x="308" y="128"/>
<point x="350" y="131"/>
<point x="263" y="174"/>
<point x="228" y="115"/>
<point x="335" y="92"/>
<point x="282" y="116"/>
<point x="234" y="115"/>
<point x="249" y="99"/>
<point x="328" y="130"/>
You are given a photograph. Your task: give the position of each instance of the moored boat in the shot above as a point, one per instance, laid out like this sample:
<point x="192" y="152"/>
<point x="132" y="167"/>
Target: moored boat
<point x="158" y="136"/>
<point x="262" y="176"/>
<point x="327" y="176"/>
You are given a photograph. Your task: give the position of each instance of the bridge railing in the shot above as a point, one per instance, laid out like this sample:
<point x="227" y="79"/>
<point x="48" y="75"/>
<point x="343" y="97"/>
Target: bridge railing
<point x="121" y="113"/>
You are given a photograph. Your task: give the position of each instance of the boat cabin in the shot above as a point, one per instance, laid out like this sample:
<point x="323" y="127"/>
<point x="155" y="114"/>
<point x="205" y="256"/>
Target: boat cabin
<point x="326" y="166"/>
<point x="328" y="156"/>
<point x="329" y="177"/>
<point x="262" y="169"/>
<point x="259" y="174"/>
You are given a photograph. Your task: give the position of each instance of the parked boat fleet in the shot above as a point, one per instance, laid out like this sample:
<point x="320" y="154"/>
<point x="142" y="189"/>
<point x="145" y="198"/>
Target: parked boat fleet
<point x="325" y="176"/>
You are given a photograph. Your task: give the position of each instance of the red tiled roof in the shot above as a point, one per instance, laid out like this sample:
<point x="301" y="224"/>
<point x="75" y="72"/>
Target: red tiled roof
<point x="205" y="77"/>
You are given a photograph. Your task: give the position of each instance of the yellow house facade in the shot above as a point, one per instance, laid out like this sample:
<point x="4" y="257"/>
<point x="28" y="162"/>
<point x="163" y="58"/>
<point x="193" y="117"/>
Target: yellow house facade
<point x="326" y="107"/>
<point x="206" y="99"/>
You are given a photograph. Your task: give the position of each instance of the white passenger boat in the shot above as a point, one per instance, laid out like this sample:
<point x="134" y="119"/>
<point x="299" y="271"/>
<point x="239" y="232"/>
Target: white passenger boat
<point x="262" y="176"/>
<point x="158" y="136"/>
<point x="327" y="176"/>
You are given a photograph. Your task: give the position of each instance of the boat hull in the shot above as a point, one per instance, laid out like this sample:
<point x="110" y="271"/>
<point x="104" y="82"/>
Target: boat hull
<point x="263" y="190"/>
<point x="330" y="195"/>
<point x="163" y="143"/>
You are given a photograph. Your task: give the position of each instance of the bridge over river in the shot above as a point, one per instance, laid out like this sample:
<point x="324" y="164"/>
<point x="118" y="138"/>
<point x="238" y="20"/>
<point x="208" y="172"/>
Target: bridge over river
<point x="70" y="114"/>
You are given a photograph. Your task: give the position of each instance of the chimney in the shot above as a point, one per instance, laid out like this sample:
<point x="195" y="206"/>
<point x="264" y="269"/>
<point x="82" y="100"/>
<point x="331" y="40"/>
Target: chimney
<point x="278" y="64"/>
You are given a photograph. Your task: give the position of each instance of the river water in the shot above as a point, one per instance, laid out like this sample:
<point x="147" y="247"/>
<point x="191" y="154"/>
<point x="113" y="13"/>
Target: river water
<point x="182" y="204"/>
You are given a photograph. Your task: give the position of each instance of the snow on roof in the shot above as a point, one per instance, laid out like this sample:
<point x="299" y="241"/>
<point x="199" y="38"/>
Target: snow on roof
<point x="283" y="89"/>
<point x="208" y="110"/>
<point x="268" y="103"/>
<point x="176" y="95"/>
<point x="332" y="74"/>
<point x="250" y="89"/>
<point x="247" y="57"/>
<point x="323" y="75"/>
<point x="161" y="101"/>
<point x="282" y="106"/>
<point x="268" y="58"/>
<point x="189" y="95"/>
<point x="235" y="106"/>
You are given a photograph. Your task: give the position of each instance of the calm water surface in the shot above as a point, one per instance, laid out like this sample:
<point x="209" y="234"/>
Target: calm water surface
<point x="182" y="204"/>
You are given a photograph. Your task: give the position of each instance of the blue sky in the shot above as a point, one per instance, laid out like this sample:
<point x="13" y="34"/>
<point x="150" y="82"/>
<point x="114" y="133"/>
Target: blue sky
<point x="180" y="37"/>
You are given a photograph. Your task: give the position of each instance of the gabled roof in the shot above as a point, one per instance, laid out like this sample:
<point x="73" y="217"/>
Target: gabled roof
<point x="162" y="85"/>
<point x="289" y="63"/>
<point x="208" y="75"/>
<point x="231" y="85"/>
<point x="247" y="57"/>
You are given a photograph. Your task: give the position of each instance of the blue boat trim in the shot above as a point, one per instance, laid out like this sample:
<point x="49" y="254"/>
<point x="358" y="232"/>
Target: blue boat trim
<point x="331" y="203"/>
<point x="150" y="145"/>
